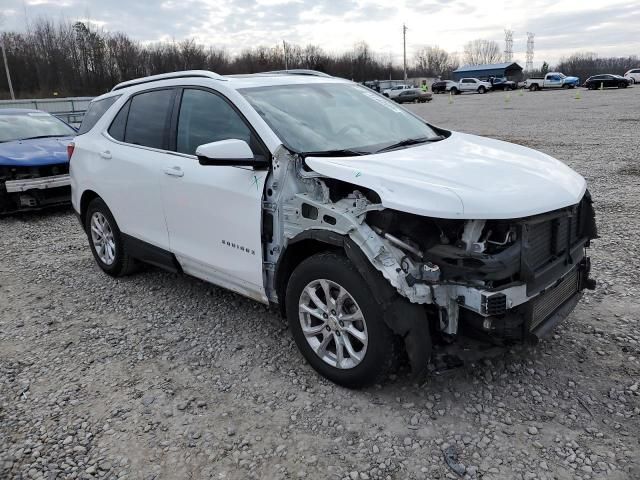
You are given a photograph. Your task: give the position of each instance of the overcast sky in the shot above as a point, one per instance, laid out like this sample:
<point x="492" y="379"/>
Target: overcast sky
<point x="607" y="27"/>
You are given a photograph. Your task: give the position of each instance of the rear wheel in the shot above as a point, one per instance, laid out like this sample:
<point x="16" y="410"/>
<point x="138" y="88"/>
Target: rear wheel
<point x="105" y="240"/>
<point x="534" y="87"/>
<point x="337" y="322"/>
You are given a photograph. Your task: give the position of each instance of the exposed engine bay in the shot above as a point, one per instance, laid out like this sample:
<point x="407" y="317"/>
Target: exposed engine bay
<point x="33" y="187"/>
<point x="504" y="279"/>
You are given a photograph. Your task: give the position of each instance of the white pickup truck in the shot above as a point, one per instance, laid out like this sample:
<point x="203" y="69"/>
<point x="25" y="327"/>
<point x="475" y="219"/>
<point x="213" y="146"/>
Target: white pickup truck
<point x="470" y="85"/>
<point x="552" y="80"/>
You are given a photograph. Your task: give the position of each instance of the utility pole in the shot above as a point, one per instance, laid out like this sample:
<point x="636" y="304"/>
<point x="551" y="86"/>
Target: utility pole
<point x="6" y="69"/>
<point x="404" y="49"/>
<point x="284" y="48"/>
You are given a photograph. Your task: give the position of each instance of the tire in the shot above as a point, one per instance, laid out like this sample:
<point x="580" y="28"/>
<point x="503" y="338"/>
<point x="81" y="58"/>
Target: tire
<point x="533" y="87"/>
<point x="332" y="271"/>
<point x="455" y="91"/>
<point x="481" y="89"/>
<point x="113" y="259"/>
<point x="622" y="85"/>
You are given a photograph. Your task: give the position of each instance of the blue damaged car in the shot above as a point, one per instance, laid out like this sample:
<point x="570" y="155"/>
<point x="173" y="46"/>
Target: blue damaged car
<point x="34" y="164"/>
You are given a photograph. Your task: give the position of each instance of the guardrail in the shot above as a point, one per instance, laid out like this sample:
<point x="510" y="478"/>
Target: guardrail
<point x="71" y="109"/>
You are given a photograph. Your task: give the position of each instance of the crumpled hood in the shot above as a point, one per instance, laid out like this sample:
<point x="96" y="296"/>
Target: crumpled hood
<point x="463" y="176"/>
<point x="571" y="80"/>
<point x="34" y="152"/>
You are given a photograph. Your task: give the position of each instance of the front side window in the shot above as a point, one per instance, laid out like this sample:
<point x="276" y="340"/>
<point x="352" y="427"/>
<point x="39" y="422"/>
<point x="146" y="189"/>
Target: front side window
<point x="324" y="117"/>
<point x="206" y="117"/>
<point x="94" y="112"/>
<point x="23" y="126"/>
<point x="148" y="119"/>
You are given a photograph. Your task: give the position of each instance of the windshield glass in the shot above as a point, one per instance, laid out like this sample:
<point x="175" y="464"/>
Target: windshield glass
<point x="325" y="117"/>
<point x="33" y="124"/>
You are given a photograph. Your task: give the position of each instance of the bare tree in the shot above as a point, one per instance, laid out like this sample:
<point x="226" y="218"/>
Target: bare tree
<point x="479" y="52"/>
<point x="435" y="62"/>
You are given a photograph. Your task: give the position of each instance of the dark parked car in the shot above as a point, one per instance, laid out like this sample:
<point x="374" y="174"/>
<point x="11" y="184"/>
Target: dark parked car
<point x="442" y="86"/>
<point x="34" y="164"/>
<point x="413" y="95"/>
<point x="606" y="81"/>
<point x="501" y="83"/>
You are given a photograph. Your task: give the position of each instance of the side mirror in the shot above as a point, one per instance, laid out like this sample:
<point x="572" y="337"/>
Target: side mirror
<point x="230" y="152"/>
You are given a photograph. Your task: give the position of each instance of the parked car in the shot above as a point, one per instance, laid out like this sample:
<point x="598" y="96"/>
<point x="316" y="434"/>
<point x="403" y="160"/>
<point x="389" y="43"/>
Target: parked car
<point x="364" y="223"/>
<point x="34" y="167"/>
<point x="413" y="95"/>
<point x="501" y="83"/>
<point x="442" y="86"/>
<point x="395" y="90"/>
<point x="470" y="85"/>
<point x="552" y="80"/>
<point x="606" y="81"/>
<point x="633" y="75"/>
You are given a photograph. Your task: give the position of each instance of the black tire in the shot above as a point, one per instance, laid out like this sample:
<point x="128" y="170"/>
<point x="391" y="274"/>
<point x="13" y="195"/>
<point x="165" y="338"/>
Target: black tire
<point x="123" y="263"/>
<point x="622" y="85"/>
<point x="379" y="357"/>
<point x="455" y="91"/>
<point x="533" y="87"/>
<point x="481" y="89"/>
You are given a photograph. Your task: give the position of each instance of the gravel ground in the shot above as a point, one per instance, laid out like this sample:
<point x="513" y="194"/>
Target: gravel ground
<point x="161" y="376"/>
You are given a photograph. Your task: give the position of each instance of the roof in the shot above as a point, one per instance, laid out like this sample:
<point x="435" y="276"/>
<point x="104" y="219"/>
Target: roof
<point x="487" y="66"/>
<point x="18" y="111"/>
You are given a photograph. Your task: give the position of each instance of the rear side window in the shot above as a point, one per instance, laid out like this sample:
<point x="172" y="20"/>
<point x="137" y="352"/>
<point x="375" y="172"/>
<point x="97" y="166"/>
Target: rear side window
<point x="94" y="113"/>
<point x="148" y="119"/>
<point x="206" y="117"/>
<point x="117" y="128"/>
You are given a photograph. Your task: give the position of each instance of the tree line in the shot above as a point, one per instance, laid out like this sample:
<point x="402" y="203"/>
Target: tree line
<point x="67" y="59"/>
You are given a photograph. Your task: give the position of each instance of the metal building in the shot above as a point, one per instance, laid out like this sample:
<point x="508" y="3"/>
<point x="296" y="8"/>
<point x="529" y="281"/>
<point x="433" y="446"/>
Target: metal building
<point x="510" y="70"/>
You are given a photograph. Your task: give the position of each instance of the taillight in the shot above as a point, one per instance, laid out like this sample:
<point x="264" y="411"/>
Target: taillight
<point x="70" y="148"/>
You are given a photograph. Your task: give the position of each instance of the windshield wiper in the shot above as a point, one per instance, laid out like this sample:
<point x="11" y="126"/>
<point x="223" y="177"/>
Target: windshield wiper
<point x="410" y="141"/>
<point x="43" y="136"/>
<point x="334" y="153"/>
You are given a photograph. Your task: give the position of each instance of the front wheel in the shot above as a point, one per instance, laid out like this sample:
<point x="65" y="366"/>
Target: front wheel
<point x="533" y="88"/>
<point x="337" y="323"/>
<point x="105" y="240"/>
<point x="622" y="85"/>
<point x="455" y="91"/>
<point x="482" y="90"/>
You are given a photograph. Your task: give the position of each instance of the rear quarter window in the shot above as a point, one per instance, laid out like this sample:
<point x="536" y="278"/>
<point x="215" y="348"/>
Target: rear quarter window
<point x="96" y="109"/>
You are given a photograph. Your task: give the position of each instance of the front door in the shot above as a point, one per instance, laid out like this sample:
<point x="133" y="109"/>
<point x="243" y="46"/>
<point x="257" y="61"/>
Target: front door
<point x="214" y="213"/>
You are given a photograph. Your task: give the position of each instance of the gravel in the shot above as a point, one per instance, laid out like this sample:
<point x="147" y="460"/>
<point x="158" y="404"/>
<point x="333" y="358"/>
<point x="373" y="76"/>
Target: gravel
<point x="163" y="376"/>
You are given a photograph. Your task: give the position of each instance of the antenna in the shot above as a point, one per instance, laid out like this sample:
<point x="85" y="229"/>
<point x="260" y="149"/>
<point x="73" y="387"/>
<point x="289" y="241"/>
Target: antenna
<point x="508" y="45"/>
<point x="529" y="64"/>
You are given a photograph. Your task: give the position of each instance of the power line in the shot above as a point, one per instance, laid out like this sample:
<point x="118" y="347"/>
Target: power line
<point x="508" y="45"/>
<point x="529" y="63"/>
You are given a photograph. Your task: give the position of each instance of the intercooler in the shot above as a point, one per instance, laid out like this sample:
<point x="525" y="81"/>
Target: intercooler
<point x="551" y="299"/>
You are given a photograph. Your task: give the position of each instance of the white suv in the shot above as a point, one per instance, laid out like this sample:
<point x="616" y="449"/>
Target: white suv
<point x="633" y="75"/>
<point x="360" y="220"/>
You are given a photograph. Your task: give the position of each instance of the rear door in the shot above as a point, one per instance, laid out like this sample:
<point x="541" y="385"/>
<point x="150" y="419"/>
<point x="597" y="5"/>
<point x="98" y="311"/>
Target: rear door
<point x="214" y="213"/>
<point x="134" y="150"/>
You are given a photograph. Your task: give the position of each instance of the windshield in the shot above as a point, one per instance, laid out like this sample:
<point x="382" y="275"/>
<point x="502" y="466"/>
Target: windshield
<point x="21" y="126"/>
<point x="329" y="117"/>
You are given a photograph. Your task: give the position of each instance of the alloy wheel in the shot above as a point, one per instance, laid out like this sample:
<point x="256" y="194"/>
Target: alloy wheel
<point x="333" y="324"/>
<point x="102" y="238"/>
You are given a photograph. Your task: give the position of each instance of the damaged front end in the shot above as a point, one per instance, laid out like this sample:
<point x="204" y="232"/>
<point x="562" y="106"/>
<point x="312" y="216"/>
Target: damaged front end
<point x="33" y="187"/>
<point x="504" y="280"/>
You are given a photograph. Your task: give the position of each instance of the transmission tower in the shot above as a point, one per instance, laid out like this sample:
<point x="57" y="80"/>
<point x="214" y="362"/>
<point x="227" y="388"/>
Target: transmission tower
<point x="508" y="45"/>
<point x="529" y="64"/>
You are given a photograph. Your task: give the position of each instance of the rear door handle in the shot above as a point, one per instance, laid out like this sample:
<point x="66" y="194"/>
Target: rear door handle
<point x="174" y="171"/>
<point x="106" y="155"/>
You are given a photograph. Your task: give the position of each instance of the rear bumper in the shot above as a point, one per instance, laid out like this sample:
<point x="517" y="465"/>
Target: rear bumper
<point x="40" y="183"/>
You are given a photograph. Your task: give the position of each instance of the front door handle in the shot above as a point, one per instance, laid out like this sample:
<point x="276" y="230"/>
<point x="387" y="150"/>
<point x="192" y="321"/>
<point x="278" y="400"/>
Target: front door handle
<point x="174" y="171"/>
<point x="106" y="155"/>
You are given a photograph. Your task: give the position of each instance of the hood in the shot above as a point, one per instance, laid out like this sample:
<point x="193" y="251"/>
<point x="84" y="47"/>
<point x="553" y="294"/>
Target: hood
<point x="34" y="152"/>
<point x="571" y="80"/>
<point x="463" y="176"/>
